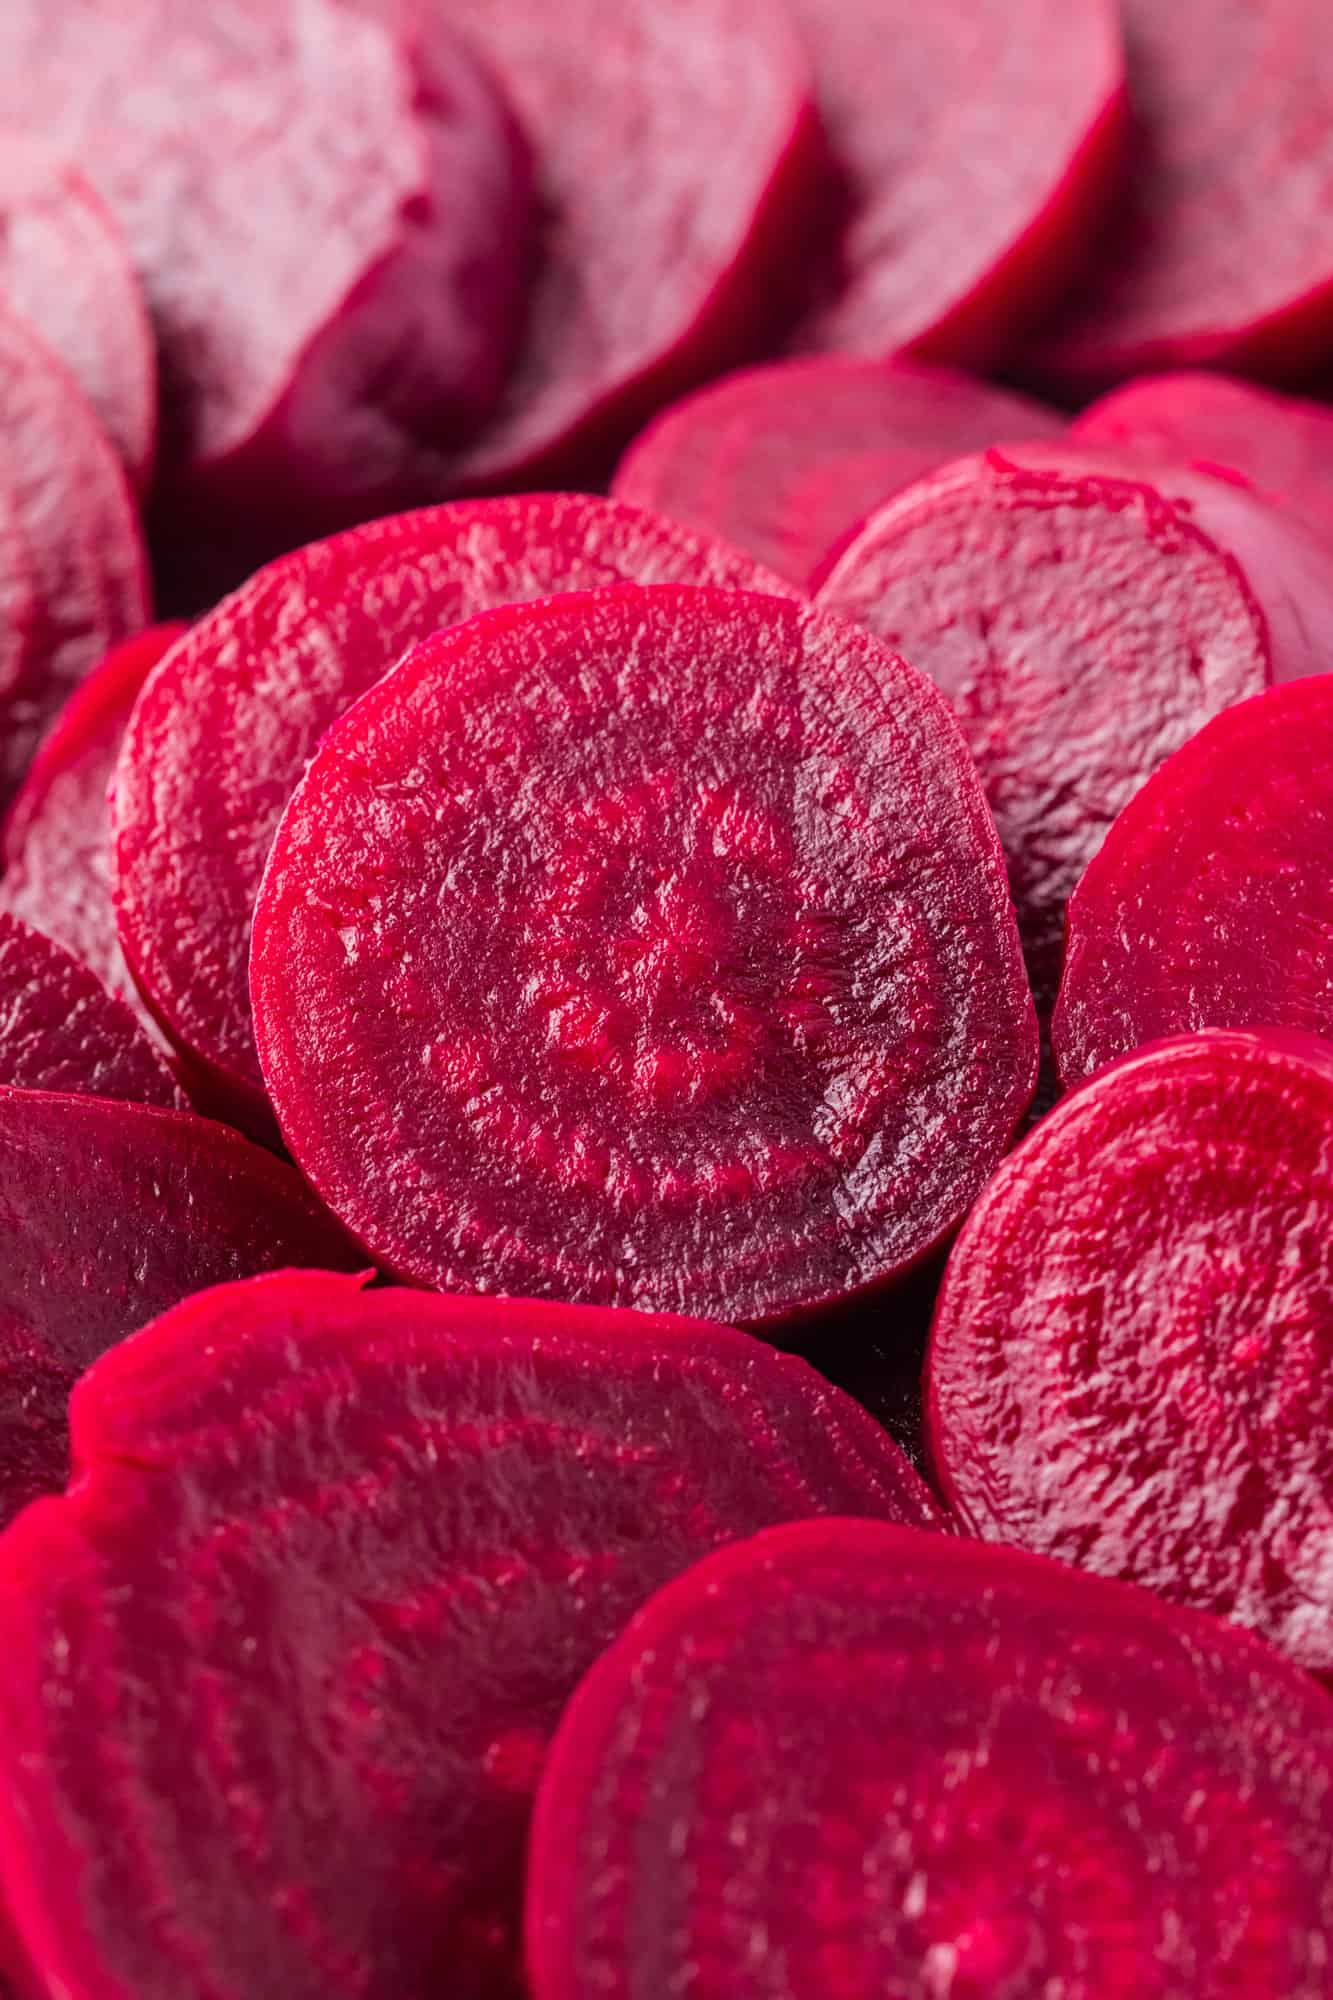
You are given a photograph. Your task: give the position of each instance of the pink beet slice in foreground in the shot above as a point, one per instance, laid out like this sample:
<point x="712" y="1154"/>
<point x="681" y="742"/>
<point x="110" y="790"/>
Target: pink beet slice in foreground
<point x="649" y="947"/>
<point x="1132" y="1354"/>
<point x="61" y="1030"/>
<point x="1210" y="904"/>
<point x="362" y="1546"/>
<point x="268" y="671"/>
<point x="848" y="1758"/>
<point x="785" y="460"/>
<point x="977" y="142"/>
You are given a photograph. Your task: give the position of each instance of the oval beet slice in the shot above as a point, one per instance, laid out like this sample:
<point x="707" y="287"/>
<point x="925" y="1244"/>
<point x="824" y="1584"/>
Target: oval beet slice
<point x="649" y="947"/>
<point x="362" y="1545"/>
<point x="268" y="671"/>
<point x="785" y="460"/>
<point x="1209" y="905"/>
<point x="61" y="1030"/>
<point x="853" y="1759"/>
<point x="1130" y="1362"/>
<point x="977" y="142"/>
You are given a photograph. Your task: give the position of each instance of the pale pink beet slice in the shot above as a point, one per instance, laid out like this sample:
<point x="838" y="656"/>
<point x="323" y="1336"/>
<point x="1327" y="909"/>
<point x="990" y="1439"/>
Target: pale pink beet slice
<point x="677" y="156"/>
<point x="846" y="1758"/>
<point x="977" y="143"/>
<point x="361" y="1547"/>
<point x="60" y="1029"/>
<point x="1209" y="905"/>
<point x="1222" y="253"/>
<point x="224" y="732"/>
<point x="784" y="460"/>
<point x="649" y="947"/>
<point x="1132" y="1354"/>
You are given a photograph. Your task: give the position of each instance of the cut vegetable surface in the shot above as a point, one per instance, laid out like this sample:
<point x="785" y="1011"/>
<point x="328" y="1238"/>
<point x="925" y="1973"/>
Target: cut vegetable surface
<point x="61" y="1030"/>
<point x="649" y="947"/>
<point x="282" y="1666"/>
<point x="1131" y="1361"/>
<point x="850" y="1758"/>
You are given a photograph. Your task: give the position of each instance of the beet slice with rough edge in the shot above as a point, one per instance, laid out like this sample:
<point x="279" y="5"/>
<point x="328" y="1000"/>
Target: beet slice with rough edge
<point x="267" y="672"/>
<point x="650" y="947"/>
<point x="678" y="153"/>
<point x="958" y="221"/>
<point x="61" y="1030"/>
<point x="849" y="1758"/>
<point x="1222" y="253"/>
<point x="1209" y="905"/>
<point x="784" y="460"/>
<point x="65" y="268"/>
<point x="1131" y="1360"/>
<point x="362" y="1547"/>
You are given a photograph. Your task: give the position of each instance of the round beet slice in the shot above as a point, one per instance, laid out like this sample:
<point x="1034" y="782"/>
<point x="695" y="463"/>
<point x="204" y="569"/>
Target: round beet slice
<point x="1222" y="254"/>
<point x="648" y="947"/>
<point x="1209" y="905"/>
<point x="785" y="460"/>
<point x="977" y="142"/>
<point x="1133" y="1347"/>
<point x="848" y="1758"/>
<point x="61" y="1030"/>
<point x="225" y="730"/>
<point x="362" y="1545"/>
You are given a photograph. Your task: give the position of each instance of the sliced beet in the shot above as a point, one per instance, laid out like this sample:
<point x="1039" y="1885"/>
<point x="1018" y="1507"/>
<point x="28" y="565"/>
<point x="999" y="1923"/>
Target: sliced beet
<point x="649" y="947"/>
<point x="784" y="460"/>
<point x="267" y="672"/>
<point x="361" y="1546"/>
<point x="977" y="143"/>
<point x="849" y="1759"/>
<point x="1210" y="904"/>
<point x="1132" y="1354"/>
<point x="60" y="1029"/>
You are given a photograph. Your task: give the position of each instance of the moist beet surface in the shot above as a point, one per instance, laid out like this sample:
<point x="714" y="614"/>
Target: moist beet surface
<point x="1132" y="1351"/>
<point x="222" y="735"/>
<point x="361" y="1547"/>
<point x="61" y="1030"/>
<point x="785" y="460"/>
<point x="848" y="1759"/>
<point x="650" y="947"/>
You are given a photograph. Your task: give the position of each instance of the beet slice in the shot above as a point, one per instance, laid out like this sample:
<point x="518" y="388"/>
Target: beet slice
<point x="363" y="1545"/>
<point x="1222" y="253"/>
<point x="1130" y="1362"/>
<point x="977" y="142"/>
<point x="785" y="460"/>
<point x="678" y="153"/>
<point x="848" y="1758"/>
<point x="61" y="1030"/>
<point x="648" y="947"/>
<point x="1209" y="905"/>
<point x="267" y="672"/>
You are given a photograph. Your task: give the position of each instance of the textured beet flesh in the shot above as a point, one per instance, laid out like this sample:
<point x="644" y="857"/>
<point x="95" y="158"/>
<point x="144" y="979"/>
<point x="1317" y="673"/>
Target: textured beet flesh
<point x="962" y="218"/>
<point x="848" y="1758"/>
<point x="361" y="1547"/>
<point x="268" y="671"/>
<point x="1131" y="1360"/>
<point x="785" y="460"/>
<point x="650" y="947"/>
<point x="1210" y="904"/>
<point x="61" y="1030"/>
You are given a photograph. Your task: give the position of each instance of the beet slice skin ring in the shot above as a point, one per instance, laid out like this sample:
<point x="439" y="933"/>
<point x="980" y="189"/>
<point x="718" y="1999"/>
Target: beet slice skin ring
<point x="375" y="1538"/>
<point x="649" y="947"/>
<point x="848" y="1758"/>
<point x="61" y="1030"/>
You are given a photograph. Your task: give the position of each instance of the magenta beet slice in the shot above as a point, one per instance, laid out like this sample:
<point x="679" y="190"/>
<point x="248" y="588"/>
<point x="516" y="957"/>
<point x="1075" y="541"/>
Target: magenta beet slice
<point x="977" y="142"/>
<point x="60" y="1029"/>
<point x="1130" y="1363"/>
<point x="362" y="1545"/>
<point x="649" y="947"/>
<point x="268" y="671"/>
<point x="1210" y="904"/>
<point x="846" y="1758"/>
<point x="785" y="460"/>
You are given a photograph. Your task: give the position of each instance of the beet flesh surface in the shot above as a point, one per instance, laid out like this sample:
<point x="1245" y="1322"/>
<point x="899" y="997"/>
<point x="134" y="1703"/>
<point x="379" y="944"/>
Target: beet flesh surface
<point x="785" y="460"/>
<point x="847" y="1758"/>
<point x="224" y="730"/>
<point x="360" y="1548"/>
<point x="1209" y="905"/>
<point x="977" y="142"/>
<point x="650" y="947"/>
<point x="61" y="1030"/>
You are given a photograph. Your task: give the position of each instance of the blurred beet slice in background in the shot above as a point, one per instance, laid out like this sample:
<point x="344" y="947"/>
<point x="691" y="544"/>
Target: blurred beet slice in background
<point x="61" y="1030"/>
